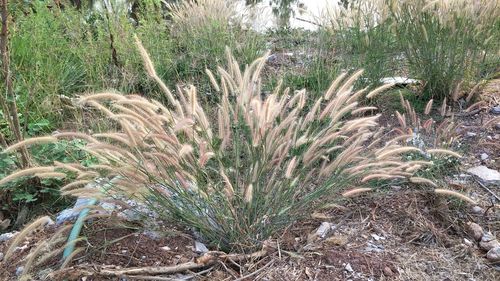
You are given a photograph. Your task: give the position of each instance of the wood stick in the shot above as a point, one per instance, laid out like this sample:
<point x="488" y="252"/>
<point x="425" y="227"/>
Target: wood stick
<point x="208" y="259"/>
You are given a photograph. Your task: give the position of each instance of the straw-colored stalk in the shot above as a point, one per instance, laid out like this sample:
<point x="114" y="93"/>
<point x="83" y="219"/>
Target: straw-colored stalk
<point x="24" y="233"/>
<point x="455" y="194"/>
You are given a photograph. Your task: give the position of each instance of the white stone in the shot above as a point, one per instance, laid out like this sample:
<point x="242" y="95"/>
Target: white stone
<point x="477" y="210"/>
<point x="376" y="237"/>
<point x="468" y="242"/>
<point x="7" y="236"/>
<point x="488" y="242"/>
<point x="200" y="247"/>
<point x="348" y="268"/>
<point x="485" y="174"/>
<point x="484" y="156"/>
<point x="399" y="80"/>
<point x="493" y="254"/>
<point x="323" y="229"/>
<point x="495" y="110"/>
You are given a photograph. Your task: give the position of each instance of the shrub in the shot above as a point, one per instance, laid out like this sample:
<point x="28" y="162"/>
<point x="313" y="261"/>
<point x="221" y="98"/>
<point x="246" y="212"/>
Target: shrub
<point x="244" y="173"/>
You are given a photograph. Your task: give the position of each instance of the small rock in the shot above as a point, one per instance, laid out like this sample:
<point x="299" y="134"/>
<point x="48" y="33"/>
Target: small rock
<point x="468" y="242"/>
<point x="493" y="254"/>
<point x="396" y="187"/>
<point x="374" y="248"/>
<point x="19" y="270"/>
<point x="348" y="268"/>
<point x="272" y="58"/>
<point x="72" y="213"/>
<point x="477" y="210"/>
<point x="497" y="126"/>
<point x="200" y="248"/>
<point x="165" y="248"/>
<point x="485" y="174"/>
<point x="21" y="248"/>
<point x="484" y="156"/>
<point x="44" y="274"/>
<point x="488" y="242"/>
<point x="108" y="206"/>
<point x="388" y="271"/>
<point x="1" y="256"/>
<point x="7" y="236"/>
<point x="323" y="229"/>
<point x="487" y="237"/>
<point x="376" y="237"/>
<point x="471" y="134"/>
<point x="495" y="110"/>
<point x="475" y="231"/>
<point x="131" y="215"/>
<point x="155" y="235"/>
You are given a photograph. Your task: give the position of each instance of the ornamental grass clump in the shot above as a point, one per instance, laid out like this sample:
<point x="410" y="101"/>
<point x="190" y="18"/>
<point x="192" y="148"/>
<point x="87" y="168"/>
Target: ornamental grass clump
<point x="239" y="175"/>
<point x="446" y="42"/>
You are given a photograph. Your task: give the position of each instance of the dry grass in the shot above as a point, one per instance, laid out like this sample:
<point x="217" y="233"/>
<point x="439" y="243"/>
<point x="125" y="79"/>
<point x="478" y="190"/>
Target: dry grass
<point x="195" y="15"/>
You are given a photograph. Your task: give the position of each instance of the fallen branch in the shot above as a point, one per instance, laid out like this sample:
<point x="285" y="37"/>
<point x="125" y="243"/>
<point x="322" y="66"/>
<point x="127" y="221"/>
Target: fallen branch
<point x="487" y="189"/>
<point x="255" y="272"/>
<point x="208" y="259"/>
<point x="161" y="278"/>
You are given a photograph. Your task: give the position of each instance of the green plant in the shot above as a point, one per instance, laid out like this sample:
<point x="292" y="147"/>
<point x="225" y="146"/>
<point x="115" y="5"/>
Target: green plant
<point x="202" y="30"/>
<point x="237" y="177"/>
<point x="43" y="65"/>
<point x="445" y="42"/>
<point x="362" y="38"/>
<point x="435" y="137"/>
<point x="39" y="192"/>
<point x="304" y="61"/>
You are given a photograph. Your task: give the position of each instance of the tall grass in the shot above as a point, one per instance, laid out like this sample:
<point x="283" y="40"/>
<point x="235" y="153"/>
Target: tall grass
<point x="445" y="42"/>
<point x="361" y="34"/>
<point x="242" y="174"/>
<point x="202" y="30"/>
<point x="57" y="53"/>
